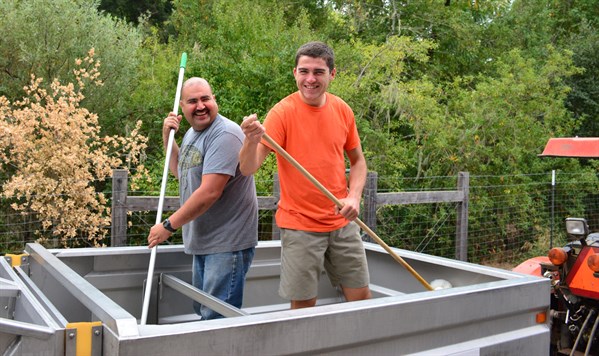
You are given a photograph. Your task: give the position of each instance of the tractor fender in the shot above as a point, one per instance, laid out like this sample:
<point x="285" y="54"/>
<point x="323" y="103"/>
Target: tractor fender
<point x="532" y="266"/>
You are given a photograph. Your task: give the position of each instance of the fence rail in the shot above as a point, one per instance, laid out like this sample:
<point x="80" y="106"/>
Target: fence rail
<point x="122" y="203"/>
<point x="491" y="219"/>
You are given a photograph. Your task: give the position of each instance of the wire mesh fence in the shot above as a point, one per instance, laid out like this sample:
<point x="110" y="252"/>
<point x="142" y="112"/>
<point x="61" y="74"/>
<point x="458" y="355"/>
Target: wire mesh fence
<point x="510" y="217"/>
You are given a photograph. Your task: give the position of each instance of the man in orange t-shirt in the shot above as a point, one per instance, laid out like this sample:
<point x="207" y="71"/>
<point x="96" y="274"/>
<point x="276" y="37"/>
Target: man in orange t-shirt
<point x="316" y="128"/>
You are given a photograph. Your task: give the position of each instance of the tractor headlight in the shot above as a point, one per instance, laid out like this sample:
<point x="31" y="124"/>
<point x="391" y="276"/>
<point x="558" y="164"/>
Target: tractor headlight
<point x="577" y="228"/>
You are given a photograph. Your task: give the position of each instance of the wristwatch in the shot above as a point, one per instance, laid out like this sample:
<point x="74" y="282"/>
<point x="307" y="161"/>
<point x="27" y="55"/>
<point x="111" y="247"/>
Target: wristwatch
<point x="167" y="225"/>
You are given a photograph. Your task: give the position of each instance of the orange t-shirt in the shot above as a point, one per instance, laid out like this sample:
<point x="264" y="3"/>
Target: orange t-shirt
<point x="317" y="138"/>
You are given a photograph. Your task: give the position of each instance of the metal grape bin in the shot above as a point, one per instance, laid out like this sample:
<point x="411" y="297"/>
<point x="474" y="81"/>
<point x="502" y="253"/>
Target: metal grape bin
<point x="89" y="301"/>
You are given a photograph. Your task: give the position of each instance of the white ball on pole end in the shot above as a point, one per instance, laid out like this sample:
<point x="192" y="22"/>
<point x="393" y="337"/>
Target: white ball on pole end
<point x="440" y="284"/>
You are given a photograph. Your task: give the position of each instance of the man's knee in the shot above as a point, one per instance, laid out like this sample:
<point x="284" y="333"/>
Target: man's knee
<point x="353" y="294"/>
<point x="297" y="304"/>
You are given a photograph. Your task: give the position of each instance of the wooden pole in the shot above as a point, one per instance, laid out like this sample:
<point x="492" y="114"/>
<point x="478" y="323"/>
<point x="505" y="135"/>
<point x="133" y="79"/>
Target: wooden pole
<point x="334" y="199"/>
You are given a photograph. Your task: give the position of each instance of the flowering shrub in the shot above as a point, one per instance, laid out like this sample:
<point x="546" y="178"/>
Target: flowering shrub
<point x="55" y="153"/>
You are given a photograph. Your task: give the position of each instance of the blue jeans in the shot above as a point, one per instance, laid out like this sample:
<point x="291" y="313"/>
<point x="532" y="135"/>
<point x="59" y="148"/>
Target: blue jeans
<point x="223" y="276"/>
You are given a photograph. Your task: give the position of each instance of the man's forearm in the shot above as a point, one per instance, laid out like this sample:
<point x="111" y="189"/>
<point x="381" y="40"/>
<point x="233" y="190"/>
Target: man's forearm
<point x="249" y="160"/>
<point x="192" y="209"/>
<point x="357" y="179"/>
<point x="200" y="200"/>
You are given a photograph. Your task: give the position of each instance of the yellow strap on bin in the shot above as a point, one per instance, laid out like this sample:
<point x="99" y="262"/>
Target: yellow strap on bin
<point x="84" y="336"/>
<point x="15" y="260"/>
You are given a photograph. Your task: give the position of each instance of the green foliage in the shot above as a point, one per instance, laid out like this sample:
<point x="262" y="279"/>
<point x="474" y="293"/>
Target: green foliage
<point x="503" y="122"/>
<point x="370" y="20"/>
<point x="489" y="124"/>
<point x="157" y="11"/>
<point x="154" y="95"/>
<point x="42" y="38"/>
<point x="457" y="30"/>
<point x="151" y="186"/>
<point x="368" y="76"/>
<point x="245" y="49"/>
<point x="484" y="125"/>
<point x="526" y="25"/>
<point x="583" y="100"/>
<point x="248" y="56"/>
<point x="531" y="25"/>
<point x="318" y="12"/>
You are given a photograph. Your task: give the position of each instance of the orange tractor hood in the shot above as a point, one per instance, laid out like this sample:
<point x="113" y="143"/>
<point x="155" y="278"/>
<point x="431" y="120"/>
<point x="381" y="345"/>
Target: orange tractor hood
<point x="579" y="147"/>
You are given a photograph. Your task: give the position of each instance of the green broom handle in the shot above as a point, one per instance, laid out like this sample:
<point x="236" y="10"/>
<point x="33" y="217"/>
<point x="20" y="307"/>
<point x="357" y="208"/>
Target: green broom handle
<point x="169" y="150"/>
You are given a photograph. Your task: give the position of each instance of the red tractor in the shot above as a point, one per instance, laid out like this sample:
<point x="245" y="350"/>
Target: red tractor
<point x="573" y="270"/>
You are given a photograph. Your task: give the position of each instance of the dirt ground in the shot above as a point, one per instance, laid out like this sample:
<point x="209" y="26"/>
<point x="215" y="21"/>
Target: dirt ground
<point x="502" y="265"/>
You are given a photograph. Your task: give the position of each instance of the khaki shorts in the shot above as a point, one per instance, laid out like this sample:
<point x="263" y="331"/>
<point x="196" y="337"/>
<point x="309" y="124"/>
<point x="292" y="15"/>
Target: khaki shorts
<point x="306" y="254"/>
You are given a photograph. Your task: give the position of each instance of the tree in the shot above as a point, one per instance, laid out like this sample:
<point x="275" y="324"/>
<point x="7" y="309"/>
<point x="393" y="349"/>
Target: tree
<point x="367" y="74"/>
<point x="131" y="10"/>
<point x="41" y="37"/>
<point x="531" y="25"/>
<point x="245" y="49"/>
<point x="56" y="154"/>
<point x="583" y="100"/>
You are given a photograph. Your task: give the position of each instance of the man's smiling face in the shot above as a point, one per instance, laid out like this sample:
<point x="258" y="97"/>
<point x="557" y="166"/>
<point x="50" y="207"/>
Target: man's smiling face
<point x="198" y="104"/>
<point x="312" y="76"/>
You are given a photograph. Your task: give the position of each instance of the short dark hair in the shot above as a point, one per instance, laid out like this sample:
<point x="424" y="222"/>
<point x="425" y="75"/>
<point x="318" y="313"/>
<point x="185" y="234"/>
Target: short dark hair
<point x="317" y="49"/>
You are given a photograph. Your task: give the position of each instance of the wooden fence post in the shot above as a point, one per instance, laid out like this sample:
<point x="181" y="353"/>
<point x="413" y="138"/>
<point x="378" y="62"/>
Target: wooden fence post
<point x="276" y="192"/>
<point x="119" y="208"/>
<point x="461" y="245"/>
<point x="370" y="203"/>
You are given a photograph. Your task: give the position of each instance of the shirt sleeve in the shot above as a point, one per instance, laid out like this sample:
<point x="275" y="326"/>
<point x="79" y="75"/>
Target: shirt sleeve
<point x="353" y="138"/>
<point x="275" y="128"/>
<point x="222" y="155"/>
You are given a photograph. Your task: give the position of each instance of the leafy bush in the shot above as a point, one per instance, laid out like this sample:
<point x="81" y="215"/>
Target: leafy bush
<point x="53" y="148"/>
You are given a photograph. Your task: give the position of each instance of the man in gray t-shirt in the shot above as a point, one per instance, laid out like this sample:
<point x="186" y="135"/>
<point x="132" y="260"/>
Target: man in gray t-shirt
<point x="219" y="208"/>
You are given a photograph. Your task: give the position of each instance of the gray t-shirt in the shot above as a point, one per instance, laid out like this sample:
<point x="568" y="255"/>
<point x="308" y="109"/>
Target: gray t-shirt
<point x="231" y="223"/>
